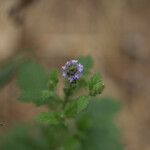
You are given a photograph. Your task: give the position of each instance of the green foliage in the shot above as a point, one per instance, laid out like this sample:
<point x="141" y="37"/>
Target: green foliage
<point x="24" y="138"/>
<point x="74" y="121"/>
<point x="47" y="96"/>
<point x="72" y="144"/>
<point x="51" y="118"/>
<point x="53" y="79"/>
<point x="95" y="125"/>
<point x="32" y="79"/>
<point x="101" y="132"/>
<point x="96" y="85"/>
<point x="69" y="89"/>
<point x="76" y="106"/>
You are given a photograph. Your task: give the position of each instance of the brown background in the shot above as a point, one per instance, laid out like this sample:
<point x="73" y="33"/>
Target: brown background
<point x="115" y="32"/>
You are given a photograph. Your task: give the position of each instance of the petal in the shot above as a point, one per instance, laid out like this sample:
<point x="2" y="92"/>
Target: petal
<point x="64" y="67"/>
<point x="64" y="75"/>
<point x="80" y="68"/>
<point x="74" y="61"/>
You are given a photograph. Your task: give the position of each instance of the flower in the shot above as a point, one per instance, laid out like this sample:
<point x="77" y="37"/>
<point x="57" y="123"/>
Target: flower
<point x="72" y="70"/>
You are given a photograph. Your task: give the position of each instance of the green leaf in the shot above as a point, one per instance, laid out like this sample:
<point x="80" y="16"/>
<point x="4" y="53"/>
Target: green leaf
<point x="82" y="103"/>
<point x="32" y="80"/>
<point x="47" y="95"/>
<point x="53" y="79"/>
<point x="96" y="85"/>
<point x="87" y="62"/>
<point x="51" y="99"/>
<point x="76" y="106"/>
<point x="50" y="118"/>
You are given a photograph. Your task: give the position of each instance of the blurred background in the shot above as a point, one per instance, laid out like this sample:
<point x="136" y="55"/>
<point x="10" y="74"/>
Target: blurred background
<point x="115" y="33"/>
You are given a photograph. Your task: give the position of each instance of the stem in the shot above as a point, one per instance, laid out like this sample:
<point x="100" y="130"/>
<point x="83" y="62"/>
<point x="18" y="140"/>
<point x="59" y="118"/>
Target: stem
<point x="68" y="91"/>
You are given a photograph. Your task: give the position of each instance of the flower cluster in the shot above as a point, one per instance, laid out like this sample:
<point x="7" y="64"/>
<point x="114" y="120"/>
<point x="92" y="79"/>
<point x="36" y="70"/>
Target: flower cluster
<point x="72" y="70"/>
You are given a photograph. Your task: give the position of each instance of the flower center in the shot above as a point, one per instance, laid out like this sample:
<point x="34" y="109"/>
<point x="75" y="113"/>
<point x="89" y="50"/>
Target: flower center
<point x="71" y="70"/>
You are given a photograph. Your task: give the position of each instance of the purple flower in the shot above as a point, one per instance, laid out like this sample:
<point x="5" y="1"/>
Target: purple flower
<point x="72" y="70"/>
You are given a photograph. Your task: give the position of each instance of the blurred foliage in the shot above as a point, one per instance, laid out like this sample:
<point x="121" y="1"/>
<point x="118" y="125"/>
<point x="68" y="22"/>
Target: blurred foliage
<point x="32" y="79"/>
<point x="73" y="121"/>
<point x="95" y="125"/>
<point x="98" y="127"/>
<point x="96" y="85"/>
<point x="76" y="106"/>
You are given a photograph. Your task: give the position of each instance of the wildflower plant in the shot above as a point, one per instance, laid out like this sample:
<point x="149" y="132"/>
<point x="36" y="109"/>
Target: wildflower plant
<point x="72" y="121"/>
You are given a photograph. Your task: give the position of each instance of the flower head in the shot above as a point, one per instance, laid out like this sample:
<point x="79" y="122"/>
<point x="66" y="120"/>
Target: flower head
<point x="72" y="70"/>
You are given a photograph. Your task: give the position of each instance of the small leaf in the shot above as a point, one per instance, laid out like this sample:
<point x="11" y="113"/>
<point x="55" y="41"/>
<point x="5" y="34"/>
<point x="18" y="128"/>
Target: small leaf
<point x="53" y="79"/>
<point x="96" y="85"/>
<point x="47" y="95"/>
<point x="82" y="103"/>
<point x="76" y="106"/>
<point x="51" y="98"/>
<point x="50" y="118"/>
<point x="87" y="62"/>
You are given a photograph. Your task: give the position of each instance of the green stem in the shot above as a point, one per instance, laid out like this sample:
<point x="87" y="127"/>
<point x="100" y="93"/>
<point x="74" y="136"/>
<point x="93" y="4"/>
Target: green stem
<point x="67" y="91"/>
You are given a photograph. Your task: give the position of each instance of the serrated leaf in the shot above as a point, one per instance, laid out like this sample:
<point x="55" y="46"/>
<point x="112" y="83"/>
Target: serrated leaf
<point x="47" y="95"/>
<point x="87" y="62"/>
<point x="51" y="98"/>
<point x="50" y="118"/>
<point x="53" y="79"/>
<point x="82" y="103"/>
<point x="76" y="106"/>
<point x="32" y="80"/>
<point x="96" y="85"/>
